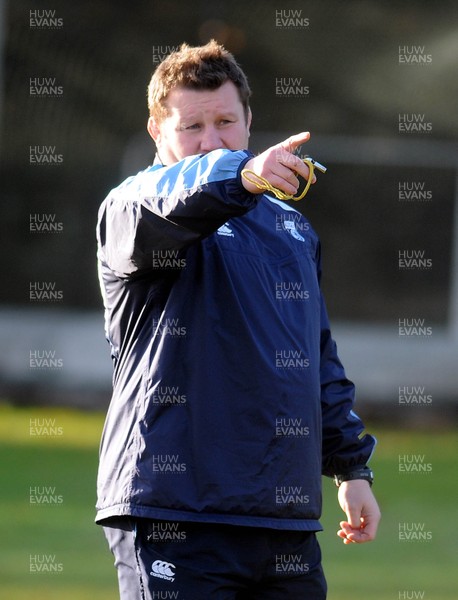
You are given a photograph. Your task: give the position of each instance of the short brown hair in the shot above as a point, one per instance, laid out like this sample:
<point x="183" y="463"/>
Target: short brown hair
<point x="200" y="68"/>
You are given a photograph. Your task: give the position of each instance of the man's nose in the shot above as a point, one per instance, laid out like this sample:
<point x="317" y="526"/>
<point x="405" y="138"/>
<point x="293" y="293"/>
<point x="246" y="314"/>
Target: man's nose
<point x="210" y="140"/>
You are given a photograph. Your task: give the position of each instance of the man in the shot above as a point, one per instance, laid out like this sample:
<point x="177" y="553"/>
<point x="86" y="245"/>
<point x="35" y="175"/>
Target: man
<point x="229" y="399"/>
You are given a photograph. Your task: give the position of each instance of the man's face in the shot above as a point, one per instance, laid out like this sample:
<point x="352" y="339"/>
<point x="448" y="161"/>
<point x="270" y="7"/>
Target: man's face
<point x="200" y="121"/>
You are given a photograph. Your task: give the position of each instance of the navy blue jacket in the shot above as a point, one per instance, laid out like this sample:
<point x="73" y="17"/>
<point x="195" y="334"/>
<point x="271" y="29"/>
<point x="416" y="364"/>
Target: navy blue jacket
<point x="229" y="400"/>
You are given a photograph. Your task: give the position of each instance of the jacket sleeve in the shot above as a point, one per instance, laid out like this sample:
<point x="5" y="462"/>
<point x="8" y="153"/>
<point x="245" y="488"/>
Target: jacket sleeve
<point x="343" y="446"/>
<point x="165" y="209"/>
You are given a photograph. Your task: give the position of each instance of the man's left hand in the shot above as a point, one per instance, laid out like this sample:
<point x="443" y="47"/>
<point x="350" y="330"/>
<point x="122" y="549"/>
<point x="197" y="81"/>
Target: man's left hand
<point x="363" y="514"/>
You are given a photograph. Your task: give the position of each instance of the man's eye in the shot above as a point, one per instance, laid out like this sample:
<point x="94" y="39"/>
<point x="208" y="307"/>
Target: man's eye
<point x="225" y="121"/>
<point x="193" y="126"/>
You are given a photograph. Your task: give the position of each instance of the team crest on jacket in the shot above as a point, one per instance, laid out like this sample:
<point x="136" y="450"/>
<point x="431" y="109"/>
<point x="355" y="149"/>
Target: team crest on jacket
<point x="290" y="227"/>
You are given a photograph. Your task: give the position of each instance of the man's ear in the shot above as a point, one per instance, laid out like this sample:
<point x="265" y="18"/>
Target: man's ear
<point x="153" y="129"/>
<point x="248" y="120"/>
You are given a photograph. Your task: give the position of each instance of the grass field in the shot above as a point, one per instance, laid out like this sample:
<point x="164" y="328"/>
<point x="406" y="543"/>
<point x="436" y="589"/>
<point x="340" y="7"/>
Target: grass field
<point x="50" y="455"/>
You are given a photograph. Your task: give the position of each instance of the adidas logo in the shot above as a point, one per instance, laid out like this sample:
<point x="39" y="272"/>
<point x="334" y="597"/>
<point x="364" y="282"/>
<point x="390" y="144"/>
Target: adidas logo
<point x="163" y="570"/>
<point x="225" y="230"/>
<point x="290" y="227"/>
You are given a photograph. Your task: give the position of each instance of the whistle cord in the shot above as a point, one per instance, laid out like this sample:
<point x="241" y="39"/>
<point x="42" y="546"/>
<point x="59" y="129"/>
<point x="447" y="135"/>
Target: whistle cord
<point x="263" y="185"/>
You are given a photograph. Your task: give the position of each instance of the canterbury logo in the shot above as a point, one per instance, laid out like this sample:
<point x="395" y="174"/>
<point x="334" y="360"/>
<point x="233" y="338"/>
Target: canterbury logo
<point x="163" y="570"/>
<point x="225" y="230"/>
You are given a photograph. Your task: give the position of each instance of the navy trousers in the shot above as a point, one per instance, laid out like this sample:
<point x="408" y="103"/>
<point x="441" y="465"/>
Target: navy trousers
<point x="201" y="561"/>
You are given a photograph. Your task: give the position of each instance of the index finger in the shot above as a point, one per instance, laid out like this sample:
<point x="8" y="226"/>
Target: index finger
<point x="285" y="154"/>
<point x="294" y="141"/>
